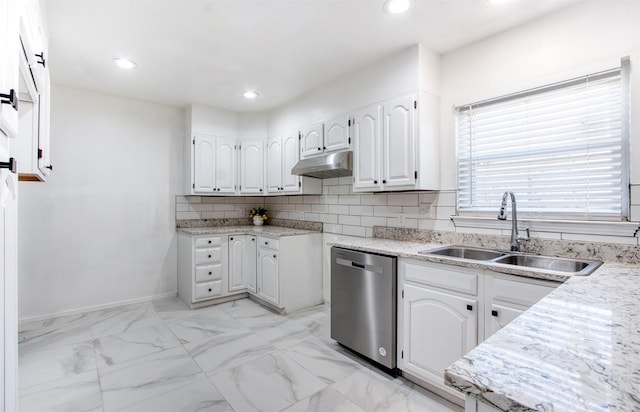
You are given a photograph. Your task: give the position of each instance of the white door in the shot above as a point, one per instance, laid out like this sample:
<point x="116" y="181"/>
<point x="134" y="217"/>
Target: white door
<point x="311" y="140"/>
<point x="225" y="165"/>
<point x="9" y="74"/>
<point x="251" y="167"/>
<point x="204" y="149"/>
<point x="237" y="280"/>
<point x="274" y="165"/>
<point x="250" y="264"/>
<point x="336" y="134"/>
<point x="8" y="289"/>
<point x="290" y="156"/>
<point x="399" y="144"/>
<point x="366" y="149"/>
<point x="268" y="275"/>
<point x="439" y="329"/>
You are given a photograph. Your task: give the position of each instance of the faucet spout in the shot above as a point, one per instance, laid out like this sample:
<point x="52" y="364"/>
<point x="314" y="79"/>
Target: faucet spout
<point x="502" y="215"/>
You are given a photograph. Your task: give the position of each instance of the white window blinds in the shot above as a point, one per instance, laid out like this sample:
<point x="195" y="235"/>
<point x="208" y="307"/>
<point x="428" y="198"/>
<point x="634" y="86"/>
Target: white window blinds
<point x="562" y="149"/>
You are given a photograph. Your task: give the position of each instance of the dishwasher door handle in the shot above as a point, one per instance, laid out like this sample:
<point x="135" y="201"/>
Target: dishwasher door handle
<point x="363" y="266"/>
<point x="357" y="265"/>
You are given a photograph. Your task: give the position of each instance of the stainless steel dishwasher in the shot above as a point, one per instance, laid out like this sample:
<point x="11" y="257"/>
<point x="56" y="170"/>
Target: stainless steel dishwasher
<point x="363" y="304"/>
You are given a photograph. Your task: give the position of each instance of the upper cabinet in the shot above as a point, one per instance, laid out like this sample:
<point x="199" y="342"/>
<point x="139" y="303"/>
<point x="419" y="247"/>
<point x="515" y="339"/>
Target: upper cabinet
<point x="9" y="75"/>
<point x="282" y="154"/>
<point x="213" y="161"/>
<point x="251" y="166"/>
<point x="32" y="148"/>
<point x="330" y="136"/>
<point x="388" y="155"/>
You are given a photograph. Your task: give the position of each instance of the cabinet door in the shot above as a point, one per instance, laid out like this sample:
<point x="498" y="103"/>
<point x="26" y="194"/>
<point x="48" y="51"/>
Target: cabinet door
<point x="399" y="142"/>
<point x="268" y="275"/>
<point x="204" y="149"/>
<point x="250" y="264"/>
<point x="290" y="156"/>
<point x="237" y="280"/>
<point x="251" y="167"/>
<point x="439" y="328"/>
<point x="225" y="165"/>
<point x="311" y="140"/>
<point x="44" y="159"/>
<point x="336" y="134"/>
<point x="501" y="316"/>
<point x="274" y="165"/>
<point x="366" y="153"/>
<point x="9" y="75"/>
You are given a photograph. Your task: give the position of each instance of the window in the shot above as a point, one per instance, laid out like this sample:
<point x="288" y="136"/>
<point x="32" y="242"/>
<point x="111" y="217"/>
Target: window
<point x="561" y="148"/>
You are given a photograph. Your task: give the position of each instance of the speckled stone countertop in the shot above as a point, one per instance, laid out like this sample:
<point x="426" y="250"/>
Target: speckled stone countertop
<point x="578" y="349"/>
<point x="406" y="249"/>
<point x="267" y="230"/>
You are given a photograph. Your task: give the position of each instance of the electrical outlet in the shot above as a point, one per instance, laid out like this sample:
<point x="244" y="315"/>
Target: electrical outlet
<point x="424" y="208"/>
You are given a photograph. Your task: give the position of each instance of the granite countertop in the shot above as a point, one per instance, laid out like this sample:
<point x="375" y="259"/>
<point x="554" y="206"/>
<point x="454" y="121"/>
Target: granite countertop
<point x="578" y="349"/>
<point x="406" y="249"/>
<point x="266" y="230"/>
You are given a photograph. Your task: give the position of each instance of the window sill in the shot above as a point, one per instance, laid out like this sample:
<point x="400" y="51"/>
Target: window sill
<point x="622" y="229"/>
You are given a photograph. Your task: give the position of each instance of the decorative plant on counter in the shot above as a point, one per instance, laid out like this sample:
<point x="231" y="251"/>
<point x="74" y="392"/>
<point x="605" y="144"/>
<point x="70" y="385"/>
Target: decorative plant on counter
<point x="258" y="211"/>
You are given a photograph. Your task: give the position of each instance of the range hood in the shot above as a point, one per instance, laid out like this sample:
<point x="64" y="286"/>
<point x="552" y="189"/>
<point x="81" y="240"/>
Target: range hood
<point x="325" y="166"/>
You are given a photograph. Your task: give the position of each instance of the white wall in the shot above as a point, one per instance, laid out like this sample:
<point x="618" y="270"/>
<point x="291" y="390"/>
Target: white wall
<point x="101" y="230"/>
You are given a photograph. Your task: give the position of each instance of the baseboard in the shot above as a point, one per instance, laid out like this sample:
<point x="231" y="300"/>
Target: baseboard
<point x="98" y="307"/>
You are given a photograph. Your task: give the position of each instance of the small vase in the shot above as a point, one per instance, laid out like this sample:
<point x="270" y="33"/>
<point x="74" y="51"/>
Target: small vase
<point x="258" y="220"/>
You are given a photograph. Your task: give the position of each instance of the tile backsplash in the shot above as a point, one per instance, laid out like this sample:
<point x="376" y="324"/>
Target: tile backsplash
<point x="343" y="212"/>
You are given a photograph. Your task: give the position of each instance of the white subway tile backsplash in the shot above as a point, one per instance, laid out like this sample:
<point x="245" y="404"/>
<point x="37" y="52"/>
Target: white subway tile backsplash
<point x="327" y="218"/>
<point x="439" y="225"/>
<point x="329" y="199"/>
<point x="296" y="200"/>
<point x="312" y="217"/>
<point x="187" y="215"/>
<point x="371" y="221"/>
<point x="184" y="207"/>
<point x="331" y="228"/>
<point x="349" y="220"/>
<point x="361" y="210"/>
<point x="280" y="215"/>
<point x="217" y="207"/>
<point x="369" y="232"/>
<point x="213" y="199"/>
<point x="202" y="207"/>
<point x="340" y="209"/>
<point x="213" y="215"/>
<point x="296" y="215"/>
<point x="410" y="223"/>
<point x="374" y="200"/>
<point x="445" y="212"/>
<point x="234" y="214"/>
<point x="428" y="198"/>
<point x="634" y="213"/>
<point x="635" y="194"/>
<point x="338" y="190"/>
<point x="353" y="230"/>
<point x="304" y="208"/>
<point x="349" y="199"/>
<point x="334" y="181"/>
<point x="320" y="208"/>
<point x="411" y="210"/>
<point x="402" y="199"/>
<point x="346" y="181"/>
<point x="447" y="198"/>
<point x="188" y="199"/>
<point x="386" y="210"/>
<point x="312" y="199"/>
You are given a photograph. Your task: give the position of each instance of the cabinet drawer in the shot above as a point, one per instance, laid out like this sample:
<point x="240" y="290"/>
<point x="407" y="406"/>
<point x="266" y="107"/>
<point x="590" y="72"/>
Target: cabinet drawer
<point x="449" y="277"/>
<point x="208" y="289"/>
<point x="208" y="255"/>
<point x="208" y="273"/>
<point x="517" y="291"/>
<point x="208" y="241"/>
<point x="267" y="242"/>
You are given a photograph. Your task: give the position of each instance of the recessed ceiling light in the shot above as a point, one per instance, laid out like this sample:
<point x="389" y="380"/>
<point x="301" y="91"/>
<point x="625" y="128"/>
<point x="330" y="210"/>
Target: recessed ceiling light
<point x="397" y="6"/>
<point x="250" y="94"/>
<point x="124" y="63"/>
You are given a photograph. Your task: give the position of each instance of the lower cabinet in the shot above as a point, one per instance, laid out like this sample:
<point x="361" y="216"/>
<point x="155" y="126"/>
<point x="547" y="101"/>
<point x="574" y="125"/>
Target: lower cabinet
<point x="284" y="273"/>
<point x="444" y="311"/>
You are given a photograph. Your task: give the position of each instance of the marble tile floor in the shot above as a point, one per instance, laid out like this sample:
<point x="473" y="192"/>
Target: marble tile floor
<point x="236" y="356"/>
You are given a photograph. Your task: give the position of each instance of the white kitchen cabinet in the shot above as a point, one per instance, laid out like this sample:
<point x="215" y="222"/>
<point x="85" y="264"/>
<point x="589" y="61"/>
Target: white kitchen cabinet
<point x="289" y="274"/>
<point x="214" y="165"/>
<point x="9" y="74"/>
<point x="282" y="154"/>
<point x="330" y="136"/>
<point x="396" y="145"/>
<point x="242" y="263"/>
<point x="312" y="140"/>
<point x="438" y="318"/>
<point x="507" y="297"/>
<point x="367" y="147"/>
<point x="251" y="167"/>
<point x="202" y="268"/>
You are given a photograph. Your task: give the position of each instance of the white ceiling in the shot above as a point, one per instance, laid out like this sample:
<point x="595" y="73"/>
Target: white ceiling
<point x="209" y="51"/>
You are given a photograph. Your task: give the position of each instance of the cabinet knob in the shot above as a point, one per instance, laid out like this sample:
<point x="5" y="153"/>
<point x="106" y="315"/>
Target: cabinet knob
<point x="209" y="242"/>
<point x="319" y="148"/>
<point x="274" y="256"/>
<point x="469" y="307"/>
<point x="494" y="313"/>
<point x="384" y="182"/>
<point x="375" y="182"/>
<point x="261" y="190"/>
<point x="209" y="289"/>
<point x="253" y="239"/>
<point x="324" y="148"/>
<point x="230" y="238"/>
<point x="10" y="98"/>
<point x="209" y="273"/>
<point x="209" y="256"/>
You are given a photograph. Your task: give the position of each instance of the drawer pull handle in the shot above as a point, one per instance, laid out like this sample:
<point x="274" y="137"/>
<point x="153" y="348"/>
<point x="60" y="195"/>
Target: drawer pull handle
<point x="469" y="307"/>
<point x="494" y="313"/>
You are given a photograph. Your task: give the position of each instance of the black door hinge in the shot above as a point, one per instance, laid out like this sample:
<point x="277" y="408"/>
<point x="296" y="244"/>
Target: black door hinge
<point x="349" y="122"/>
<point x="415" y="174"/>
<point x="194" y="141"/>
<point x="299" y="136"/>
<point x="299" y="184"/>
<point x="415" y="104"/>
<point x="194" y="185"/>
<point x="402" y="293"/>
<point x="349" y="140"/>
<point x="402" y="354"/>
<point x="39" y="153"/>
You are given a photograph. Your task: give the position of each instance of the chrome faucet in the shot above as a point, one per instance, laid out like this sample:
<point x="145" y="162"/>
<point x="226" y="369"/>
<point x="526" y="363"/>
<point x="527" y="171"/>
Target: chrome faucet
<point x="502" y="215"/>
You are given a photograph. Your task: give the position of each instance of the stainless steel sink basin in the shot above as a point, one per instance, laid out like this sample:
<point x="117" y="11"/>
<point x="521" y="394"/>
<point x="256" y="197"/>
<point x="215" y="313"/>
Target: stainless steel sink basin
<point x="464" y="252"/>
<point x="568" y="266"/>
<point x="573" y="266"/>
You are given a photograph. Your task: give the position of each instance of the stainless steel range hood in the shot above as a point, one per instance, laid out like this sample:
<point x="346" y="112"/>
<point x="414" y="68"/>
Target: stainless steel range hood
<point x="325" y="166"/>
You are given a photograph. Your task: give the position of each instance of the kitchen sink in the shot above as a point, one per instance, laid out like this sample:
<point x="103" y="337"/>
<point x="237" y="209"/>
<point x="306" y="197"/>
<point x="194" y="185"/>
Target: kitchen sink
<point x="464" y="252"/>
<point x="573" y="266"/>
<point x="568" y="266"/>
